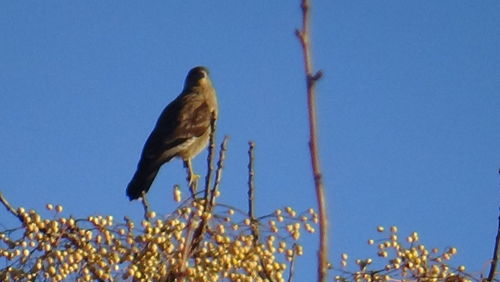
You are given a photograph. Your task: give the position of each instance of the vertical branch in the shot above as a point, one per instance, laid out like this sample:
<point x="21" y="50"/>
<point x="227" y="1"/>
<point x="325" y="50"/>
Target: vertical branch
<point x="209" y="202"/>
<point x="496" y="252"/>
<point x="251" y="183"/>
<point x="192" y="228"/>
<point x="254" y="224"/>
<point x="218" y="172"/>
<point x="210" y="158"/>
<point x="304" y="37"/>
<point x="291" y="273"/>
<point x="251" y="190"/>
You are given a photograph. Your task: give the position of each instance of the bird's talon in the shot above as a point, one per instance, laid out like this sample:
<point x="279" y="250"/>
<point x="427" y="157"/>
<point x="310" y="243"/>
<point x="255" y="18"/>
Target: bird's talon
<point x="193" y="179"/>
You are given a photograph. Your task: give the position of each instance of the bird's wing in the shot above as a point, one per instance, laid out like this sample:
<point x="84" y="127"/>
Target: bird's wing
<point x="186" y="117"/>
<point x="194" y="117"/>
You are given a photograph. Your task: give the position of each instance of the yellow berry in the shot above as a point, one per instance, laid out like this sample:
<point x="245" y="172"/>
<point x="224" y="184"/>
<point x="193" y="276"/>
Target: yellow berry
<point x="177" y="194"/>
<point x="151" y="214"/>
<point x="452" y="251"/>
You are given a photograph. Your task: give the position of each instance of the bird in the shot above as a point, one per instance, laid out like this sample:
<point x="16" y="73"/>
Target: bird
<point x="182" y="130"/>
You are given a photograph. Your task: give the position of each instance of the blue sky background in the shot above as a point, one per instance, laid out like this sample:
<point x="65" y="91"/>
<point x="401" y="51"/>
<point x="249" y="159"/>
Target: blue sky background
<point x="408" y="110"/>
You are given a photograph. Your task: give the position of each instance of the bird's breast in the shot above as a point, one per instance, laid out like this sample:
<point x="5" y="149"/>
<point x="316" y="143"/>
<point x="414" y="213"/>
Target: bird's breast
<point x="193" y="146"/>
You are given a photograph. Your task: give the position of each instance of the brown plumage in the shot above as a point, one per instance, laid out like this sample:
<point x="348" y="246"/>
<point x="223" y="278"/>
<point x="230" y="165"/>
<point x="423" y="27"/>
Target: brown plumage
<point x="182" y="130"/>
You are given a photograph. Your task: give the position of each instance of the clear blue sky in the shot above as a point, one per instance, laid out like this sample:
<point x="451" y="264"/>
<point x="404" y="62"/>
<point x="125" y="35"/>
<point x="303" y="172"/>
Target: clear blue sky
<point x="409" y="110"/>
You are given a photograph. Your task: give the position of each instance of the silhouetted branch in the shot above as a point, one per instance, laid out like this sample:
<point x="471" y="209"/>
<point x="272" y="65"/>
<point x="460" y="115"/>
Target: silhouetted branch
<point x="251" y="191"/>
<point x="8" y="206"/>
<point x="251" y="183"/>
<point x="304" y="38"/>
<point x="496" y="252"/>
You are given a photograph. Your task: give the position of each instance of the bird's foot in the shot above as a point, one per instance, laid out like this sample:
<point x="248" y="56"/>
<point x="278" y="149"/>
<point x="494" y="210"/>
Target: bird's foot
<point x="193" y="182"/>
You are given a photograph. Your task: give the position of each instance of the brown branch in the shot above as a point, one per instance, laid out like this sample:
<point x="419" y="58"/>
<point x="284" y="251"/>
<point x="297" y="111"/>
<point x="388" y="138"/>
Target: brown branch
<point x="311" y="79"/>
<point x="251" y="191"/>
<point x="210" y="158"/>
<point x="9" y="207"/>
<point x="218" y="172"/>
<point x="200" y="229"/>
<point x="251" y="182"/>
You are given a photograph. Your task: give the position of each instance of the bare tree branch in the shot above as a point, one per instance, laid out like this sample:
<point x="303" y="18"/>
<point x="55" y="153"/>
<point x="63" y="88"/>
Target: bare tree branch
<point x="251" y="183"/>
<point x="210" y="158"/>
<point x="208" y="206"/>
<point x="311" y="79"/>
<point x="496" y="252"/>
<point x="291" y="273"/>
<point x="9" y="207"/>
<point x="251" y="190"/>
<point x="218" y="172"/>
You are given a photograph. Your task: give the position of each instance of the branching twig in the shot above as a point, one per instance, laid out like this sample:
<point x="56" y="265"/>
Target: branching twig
<point x="311" y="79"/>
<point x="200" y="230"/>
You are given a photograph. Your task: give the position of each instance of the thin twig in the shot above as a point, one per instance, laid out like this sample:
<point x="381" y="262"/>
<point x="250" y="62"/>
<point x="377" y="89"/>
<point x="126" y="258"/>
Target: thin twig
<point x="292" y="265"/>
<point x="251" y="183"/>
<point x="496" y="252"/>
<point x="210" y="158"/>
<point x="251" y="191"/>
<point x="9" y="207"/>
<point x="311" y="79"/>
<point x="218" y="172"/>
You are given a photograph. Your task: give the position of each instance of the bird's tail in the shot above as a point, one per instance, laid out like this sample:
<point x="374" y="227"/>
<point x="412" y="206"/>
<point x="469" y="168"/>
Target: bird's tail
<point x="141" y="182"/>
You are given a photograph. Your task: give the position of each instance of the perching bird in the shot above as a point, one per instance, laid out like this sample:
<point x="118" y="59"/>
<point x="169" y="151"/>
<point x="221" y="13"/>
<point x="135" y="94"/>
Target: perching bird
<point x="182" y="130"/>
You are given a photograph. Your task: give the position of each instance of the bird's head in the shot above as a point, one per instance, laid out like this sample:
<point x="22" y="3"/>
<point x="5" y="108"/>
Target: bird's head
<point x="197" y="76"/>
